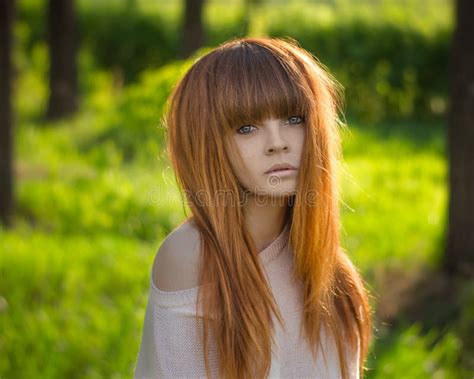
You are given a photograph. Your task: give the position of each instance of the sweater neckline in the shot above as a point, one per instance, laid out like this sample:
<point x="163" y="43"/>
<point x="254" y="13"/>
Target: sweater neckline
<point x="275" y="247"/>
<point x="173" y="298"/>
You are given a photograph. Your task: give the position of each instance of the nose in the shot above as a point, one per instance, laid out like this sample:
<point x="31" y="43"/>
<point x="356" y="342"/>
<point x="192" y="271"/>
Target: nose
<point x="275" y="141"/>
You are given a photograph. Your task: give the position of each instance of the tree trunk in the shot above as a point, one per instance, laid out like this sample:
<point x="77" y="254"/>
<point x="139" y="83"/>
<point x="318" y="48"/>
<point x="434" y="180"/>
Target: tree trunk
<point x="63" y="43"/>
<point x="6" y="123"/>
<point x="459" y="254"/>
<point x="193" y="29"/>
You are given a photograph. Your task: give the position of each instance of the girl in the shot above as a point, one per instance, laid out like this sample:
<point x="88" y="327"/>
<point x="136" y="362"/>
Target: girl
<point x="255" y="283"/>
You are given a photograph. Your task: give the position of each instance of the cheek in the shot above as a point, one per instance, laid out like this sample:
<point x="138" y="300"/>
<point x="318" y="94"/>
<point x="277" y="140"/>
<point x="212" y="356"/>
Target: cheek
<point x="298" y="139"/>
<point x="246" y="169"/>
<point x="248" y="151"/>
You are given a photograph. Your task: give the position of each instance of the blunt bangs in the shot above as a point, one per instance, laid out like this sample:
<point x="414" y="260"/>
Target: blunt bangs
<point x="249" y="83"/>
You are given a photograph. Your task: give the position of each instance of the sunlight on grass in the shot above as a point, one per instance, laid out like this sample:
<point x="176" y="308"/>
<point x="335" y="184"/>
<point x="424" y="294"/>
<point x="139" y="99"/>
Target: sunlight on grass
<point x="394" y="201"/>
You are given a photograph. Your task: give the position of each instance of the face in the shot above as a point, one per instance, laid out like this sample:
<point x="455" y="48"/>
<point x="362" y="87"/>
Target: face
<point x="261" y="146"/>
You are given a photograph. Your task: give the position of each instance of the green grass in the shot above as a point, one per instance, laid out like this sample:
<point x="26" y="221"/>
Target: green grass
<point x="406" y="353"/>
<point x="394" y="194"/>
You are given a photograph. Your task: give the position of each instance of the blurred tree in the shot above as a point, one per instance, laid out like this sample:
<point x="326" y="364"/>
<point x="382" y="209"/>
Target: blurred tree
<point x="6" y="124"/>
<point x="193" y="35"/>
<point x="63" y="43"/>
<point x="459" y="254"/>
<point x="250" y="8"/>
<point x="131" y="5"/>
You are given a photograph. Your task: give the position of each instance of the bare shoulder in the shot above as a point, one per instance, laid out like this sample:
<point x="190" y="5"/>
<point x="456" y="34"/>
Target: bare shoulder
<point x="175" y="266"/>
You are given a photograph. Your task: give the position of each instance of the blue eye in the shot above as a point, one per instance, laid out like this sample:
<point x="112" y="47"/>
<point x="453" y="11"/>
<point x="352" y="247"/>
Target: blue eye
<point x="293" y="120"/>
<point x="242" y="128"/>
<point x="298" y="119"/>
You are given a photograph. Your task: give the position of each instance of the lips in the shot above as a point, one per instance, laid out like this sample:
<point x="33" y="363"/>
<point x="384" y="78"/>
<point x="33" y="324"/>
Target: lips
<point x="280" y="167"/>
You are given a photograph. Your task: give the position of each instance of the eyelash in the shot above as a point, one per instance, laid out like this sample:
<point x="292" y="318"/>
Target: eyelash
<point x="297" y="123"/>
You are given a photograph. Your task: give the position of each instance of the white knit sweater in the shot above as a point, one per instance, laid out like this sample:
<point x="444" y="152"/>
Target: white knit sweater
<point x="171" y="347"/>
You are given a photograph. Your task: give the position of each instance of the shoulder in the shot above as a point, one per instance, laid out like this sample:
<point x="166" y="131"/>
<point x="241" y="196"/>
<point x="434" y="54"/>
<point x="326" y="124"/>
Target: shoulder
<point x="175" y="266"/>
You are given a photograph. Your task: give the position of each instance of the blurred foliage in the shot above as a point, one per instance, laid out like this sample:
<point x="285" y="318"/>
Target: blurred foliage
<point x="392" y="62"/>
<point x="407" y="353"/>
<point x="388" y="168"/>
<point x="138" y="111"/>
<point x="70" y="306"/>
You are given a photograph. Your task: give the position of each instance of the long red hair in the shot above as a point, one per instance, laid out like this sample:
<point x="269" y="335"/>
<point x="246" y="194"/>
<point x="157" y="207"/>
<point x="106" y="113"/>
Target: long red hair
<point x="250" y="79"/>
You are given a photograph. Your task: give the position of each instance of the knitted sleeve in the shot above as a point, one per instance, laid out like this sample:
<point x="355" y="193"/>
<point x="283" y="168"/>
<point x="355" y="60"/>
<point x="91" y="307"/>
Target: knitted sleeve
<point x="171" y="340"/>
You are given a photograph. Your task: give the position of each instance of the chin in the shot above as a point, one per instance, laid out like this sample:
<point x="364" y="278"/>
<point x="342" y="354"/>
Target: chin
<point x="280" y="192"/>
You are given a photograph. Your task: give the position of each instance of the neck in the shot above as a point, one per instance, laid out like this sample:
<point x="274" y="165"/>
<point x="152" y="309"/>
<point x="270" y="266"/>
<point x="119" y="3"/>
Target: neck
<point x="264" y="219"/>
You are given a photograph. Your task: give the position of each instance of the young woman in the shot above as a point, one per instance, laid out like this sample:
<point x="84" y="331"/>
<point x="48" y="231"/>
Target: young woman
<point x="255" y="284"/>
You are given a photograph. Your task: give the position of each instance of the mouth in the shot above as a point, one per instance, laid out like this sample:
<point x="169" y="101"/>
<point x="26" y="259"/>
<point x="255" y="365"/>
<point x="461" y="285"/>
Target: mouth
<point x="281" y="167"/>
<point x="282" y="173"/>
